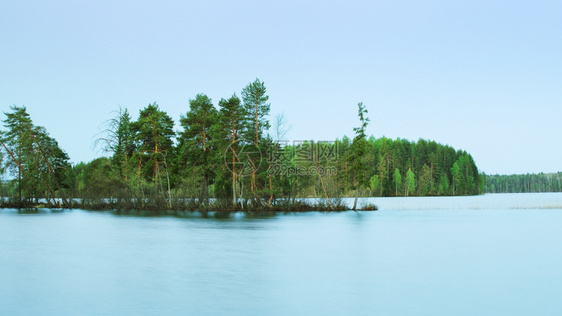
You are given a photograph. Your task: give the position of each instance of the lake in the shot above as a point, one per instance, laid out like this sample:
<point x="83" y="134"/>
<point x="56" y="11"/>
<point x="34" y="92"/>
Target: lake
<point x="497" y="254"/>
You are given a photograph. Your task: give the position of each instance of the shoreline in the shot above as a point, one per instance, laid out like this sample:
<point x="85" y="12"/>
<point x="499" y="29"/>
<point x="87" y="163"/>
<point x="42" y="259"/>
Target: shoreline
<point x="174" y="209"/>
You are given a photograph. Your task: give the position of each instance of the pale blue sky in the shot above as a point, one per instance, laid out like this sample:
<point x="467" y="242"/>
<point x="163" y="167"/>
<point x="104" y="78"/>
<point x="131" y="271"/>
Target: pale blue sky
<point x="484" y="76"/>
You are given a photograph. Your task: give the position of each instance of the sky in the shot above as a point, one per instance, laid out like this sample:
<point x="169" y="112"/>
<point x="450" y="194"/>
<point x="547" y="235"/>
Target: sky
<point x="482" y="76"/>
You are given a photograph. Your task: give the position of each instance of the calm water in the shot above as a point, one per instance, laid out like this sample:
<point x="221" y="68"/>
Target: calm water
<point x="484" y="255"/>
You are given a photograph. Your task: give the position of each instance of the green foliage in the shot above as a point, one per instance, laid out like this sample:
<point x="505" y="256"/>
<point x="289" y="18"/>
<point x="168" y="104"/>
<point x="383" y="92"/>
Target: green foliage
<point x="523" y="183"/>
<point x="466" y="180"/>
<point x="457" y="179"/>
<point x="397" y="178"/>
<point x="195" y="148"/>
<point x="231" y="120"/>
<point x="154" y="133"/>
<point x="443" y="186"/>
<point x="359" y="148"/>
<point x="224" y="156"/>
<point x="255" y="104"/>
<point x="375" y="184"/>
<point x="197" y="124"/>
<point x="99" y="181"/>
<point x="34" y="160"/>
<point x="425" y="182"/>
<point x="410" y="183"/>
<point x="118" y="140"/>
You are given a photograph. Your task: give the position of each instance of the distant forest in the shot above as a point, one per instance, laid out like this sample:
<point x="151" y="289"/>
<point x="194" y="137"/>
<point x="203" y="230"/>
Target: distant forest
<point x="524" y="183"/>
<point x="228" y="156"/>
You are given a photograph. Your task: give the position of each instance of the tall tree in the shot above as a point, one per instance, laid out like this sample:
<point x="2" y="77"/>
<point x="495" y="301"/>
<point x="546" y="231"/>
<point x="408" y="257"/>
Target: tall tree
<point x="229" y="127"/>
<point x="281" y="127"/>
<point x="425" y="182"/>
<point x="359" y="148"/>
<point x="410" y="183"/>
<point x="255" y="102"/>
<point x="384" y="165"/>
<point x="17" y="143"/>
<point x="375" y="184"/>
<point x="39" y="164"/>
<point x="118" y="139"/>
<point x="125" y="145"/>
<point x="456" y="173"/>
<point x="194" y="143"/>
<point x="397" y="177"/>
<point x="154" y="132"/>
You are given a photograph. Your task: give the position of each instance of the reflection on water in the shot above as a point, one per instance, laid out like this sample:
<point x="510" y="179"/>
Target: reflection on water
<point x="460" y="257"/>
<point x="32" y="211"/>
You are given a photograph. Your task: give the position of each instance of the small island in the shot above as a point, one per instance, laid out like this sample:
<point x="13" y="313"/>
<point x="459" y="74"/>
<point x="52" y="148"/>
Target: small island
<point x="228" y="159"/>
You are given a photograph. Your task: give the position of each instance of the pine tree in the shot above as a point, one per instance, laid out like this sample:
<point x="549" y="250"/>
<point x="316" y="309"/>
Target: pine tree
<point x="194" y="142"/>
<point x="256" y="106"/>
<point x="17" y="143"/>
<point x="257" y="124"/>
<point x="38" y="163"/>
<point x="228" y="130"/>
<point x="154" y="131"/>
<point x="359" y="149"/>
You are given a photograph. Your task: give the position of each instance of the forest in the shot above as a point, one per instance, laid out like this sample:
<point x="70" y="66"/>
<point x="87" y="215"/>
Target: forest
<point x="524" y="183"/>
<point x="226" y="157"/>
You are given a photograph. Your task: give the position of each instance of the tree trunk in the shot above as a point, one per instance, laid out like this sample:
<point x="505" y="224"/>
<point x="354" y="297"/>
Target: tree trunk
<point x="257" y="124"/>
<point x="325" y="192"/>
<point x="356" y="198"/>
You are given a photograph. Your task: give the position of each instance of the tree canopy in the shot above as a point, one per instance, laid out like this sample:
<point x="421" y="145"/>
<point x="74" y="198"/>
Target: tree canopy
<point x="225" y="155"/>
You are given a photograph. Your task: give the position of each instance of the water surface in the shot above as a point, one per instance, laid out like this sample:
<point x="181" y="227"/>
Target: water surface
<point x="460" y="257"/>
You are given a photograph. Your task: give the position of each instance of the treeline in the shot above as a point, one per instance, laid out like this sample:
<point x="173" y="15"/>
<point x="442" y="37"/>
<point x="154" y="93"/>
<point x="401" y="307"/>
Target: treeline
<point x="524" y="183"/>
<point x="225" y="157"/>
<point x="421" y="168"/>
